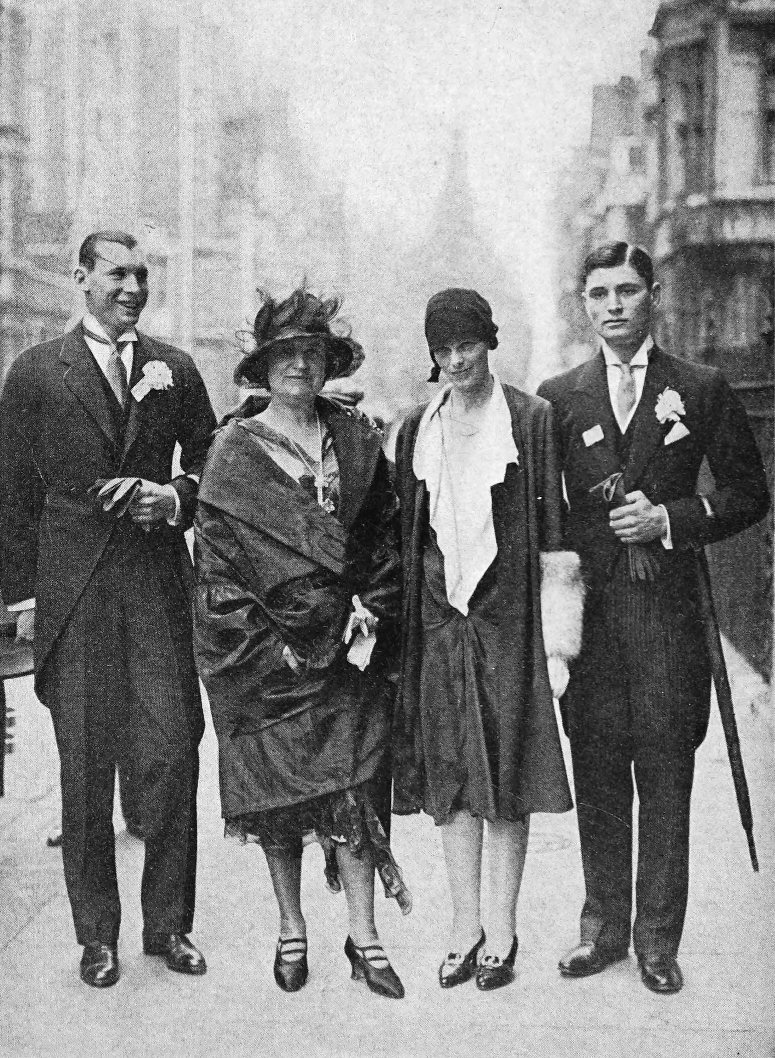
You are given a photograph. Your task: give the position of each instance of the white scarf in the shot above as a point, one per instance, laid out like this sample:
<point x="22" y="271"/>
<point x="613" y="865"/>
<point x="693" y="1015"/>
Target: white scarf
<point x="459" y="471"/>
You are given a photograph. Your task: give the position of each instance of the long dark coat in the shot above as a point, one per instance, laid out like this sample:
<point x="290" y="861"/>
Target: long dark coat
<point x="275" y="569"/>
<point x="527" y="520"/>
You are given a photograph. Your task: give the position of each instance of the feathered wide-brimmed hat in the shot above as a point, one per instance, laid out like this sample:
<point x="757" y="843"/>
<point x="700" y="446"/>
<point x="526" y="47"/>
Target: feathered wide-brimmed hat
<point x="302" y="315"/>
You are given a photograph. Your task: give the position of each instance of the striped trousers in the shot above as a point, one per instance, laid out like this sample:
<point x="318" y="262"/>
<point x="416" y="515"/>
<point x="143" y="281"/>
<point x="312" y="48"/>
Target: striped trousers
<point x="637" y="709"/>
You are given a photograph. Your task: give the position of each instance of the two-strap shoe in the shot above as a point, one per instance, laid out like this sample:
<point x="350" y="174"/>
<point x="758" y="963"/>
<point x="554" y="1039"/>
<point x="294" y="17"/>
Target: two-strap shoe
<point x="291" y="968"/>
<point x="661" y="974"/>
<point x="178" y="952"/>
<point x="458" y="968"/>
<point x="589" y="958"/>
<point x="99" y="965"/>
<point x="382" y="980"/>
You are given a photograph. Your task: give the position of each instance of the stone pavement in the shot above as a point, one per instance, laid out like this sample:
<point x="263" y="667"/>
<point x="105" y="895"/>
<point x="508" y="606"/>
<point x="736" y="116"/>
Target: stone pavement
<point x="726" y="1009"/>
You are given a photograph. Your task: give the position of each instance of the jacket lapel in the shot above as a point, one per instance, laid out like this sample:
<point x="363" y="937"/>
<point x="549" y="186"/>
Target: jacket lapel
<point x="356" y="451"/>
<point x="136" y="412"/>
<point x="82" y="378"/>
<point x="592" y="407"/>
<point x="648" y="431"/>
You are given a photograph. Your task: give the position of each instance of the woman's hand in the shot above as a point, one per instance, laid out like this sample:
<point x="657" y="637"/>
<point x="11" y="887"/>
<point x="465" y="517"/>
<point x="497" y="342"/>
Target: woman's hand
<point x="557" y="668"/>
<point x="292" y="659"/>
<point x="360" y="620"/>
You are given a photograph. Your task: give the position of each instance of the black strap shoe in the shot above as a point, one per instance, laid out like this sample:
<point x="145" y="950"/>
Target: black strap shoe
<point x="178" y="951"/>
<point x="457" y="969"/>
<point x="99" y="965"/>
<point x="291" y="973"/>
<point x="661" y="974"/>
<point x="495" y="972"/>
<point x="588" y="959"/>
<point x="382" y="980"/>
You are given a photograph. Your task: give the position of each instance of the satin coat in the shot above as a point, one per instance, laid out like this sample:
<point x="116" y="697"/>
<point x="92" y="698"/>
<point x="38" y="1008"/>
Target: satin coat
<point x="274" y="569"/>
<point x="527" y="518"/>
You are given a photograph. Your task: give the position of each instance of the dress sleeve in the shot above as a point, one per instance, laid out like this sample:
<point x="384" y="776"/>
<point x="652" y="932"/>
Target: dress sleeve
<point x="377" y="534"/>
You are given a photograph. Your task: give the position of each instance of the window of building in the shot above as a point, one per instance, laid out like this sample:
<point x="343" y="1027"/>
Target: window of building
<point x="687" y="122"/>
<point x="768" y="122"/>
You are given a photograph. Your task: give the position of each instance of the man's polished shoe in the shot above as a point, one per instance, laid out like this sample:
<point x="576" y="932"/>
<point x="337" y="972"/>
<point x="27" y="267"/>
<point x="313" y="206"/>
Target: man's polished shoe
<point x="494" y="972"/>
<point x="588" y="959"/>
<point x="661" y="974"/>
<point x="99" y="965"/>
<point x="178" y="951"/>
<point x="458" y="968"/>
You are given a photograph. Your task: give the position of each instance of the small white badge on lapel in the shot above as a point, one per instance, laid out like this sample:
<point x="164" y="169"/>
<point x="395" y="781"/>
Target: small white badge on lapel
<point x="593" y="435"/>
<point x="156" y="375"/>
<point x="676" y="433"/>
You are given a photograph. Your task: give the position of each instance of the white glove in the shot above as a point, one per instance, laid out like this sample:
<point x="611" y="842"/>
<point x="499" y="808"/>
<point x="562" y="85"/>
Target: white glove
<point x="25" y="625"/>
<point x="558" y="675"/>
<point x="362" y="622"/>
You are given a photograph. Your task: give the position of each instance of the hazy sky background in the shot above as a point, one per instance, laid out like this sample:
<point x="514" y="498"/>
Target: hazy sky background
<point x="380" y="85"/>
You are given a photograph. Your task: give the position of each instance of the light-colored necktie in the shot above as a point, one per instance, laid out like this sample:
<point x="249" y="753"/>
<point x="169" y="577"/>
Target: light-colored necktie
<point x="115" y="372"/>
<point x="627" y="394"/>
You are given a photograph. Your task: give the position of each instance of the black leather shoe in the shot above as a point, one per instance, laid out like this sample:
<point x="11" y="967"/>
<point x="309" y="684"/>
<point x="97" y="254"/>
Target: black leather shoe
<point x="383" y="980"/>
<point x="460" y="968"/>
<point x="661" y="974"/>
<point x="588" y="959"/>
<point x="99" y="965"/>
<point x="291" y="974"/>
<point x="178" y="951"/>
<point x="494" y="972"/>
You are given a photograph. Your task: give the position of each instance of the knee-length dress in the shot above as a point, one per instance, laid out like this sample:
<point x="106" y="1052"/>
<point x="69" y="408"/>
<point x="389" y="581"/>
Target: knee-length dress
<point x="475" y="726"/>
<point x="304" y="751"/>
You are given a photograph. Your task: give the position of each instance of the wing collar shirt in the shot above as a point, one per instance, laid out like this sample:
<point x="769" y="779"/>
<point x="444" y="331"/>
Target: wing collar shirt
<point x="639" y="365"/>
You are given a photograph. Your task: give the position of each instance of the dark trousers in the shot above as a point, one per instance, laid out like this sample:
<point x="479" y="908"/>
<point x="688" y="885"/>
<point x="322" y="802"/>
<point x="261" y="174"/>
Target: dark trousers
<point x="122" y="690"/>
<point x="637" y="709"/>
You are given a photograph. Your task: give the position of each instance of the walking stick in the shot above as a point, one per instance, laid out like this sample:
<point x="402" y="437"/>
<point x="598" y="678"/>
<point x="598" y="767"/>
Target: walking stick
<point x="724" y="698"/>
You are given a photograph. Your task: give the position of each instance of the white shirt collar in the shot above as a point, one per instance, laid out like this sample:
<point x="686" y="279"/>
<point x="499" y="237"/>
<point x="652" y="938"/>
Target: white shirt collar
<point x="91" y="323"/>
<point x="641" y="358"/>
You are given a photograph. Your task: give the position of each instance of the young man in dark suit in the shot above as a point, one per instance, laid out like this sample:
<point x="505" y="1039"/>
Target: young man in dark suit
<point x="106" y="598"/>
<point x="634" y="424"/>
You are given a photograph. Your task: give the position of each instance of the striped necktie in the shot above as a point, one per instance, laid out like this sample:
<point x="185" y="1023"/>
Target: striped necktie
<point x="627" y="394"/>
<point x="115" y="372"/>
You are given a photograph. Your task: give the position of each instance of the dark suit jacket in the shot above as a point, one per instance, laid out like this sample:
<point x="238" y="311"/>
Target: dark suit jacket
<point x="57" y="437"/>
<point x="666" y="473"/>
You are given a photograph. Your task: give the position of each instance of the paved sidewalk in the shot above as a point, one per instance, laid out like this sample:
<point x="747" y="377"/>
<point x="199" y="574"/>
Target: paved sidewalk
<point x="726" y="1009"/>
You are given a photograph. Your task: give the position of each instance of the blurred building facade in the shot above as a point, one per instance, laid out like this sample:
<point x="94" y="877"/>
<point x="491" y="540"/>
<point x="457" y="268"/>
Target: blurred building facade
<point x="683" y="162"/>
<point x="137" y="116"/>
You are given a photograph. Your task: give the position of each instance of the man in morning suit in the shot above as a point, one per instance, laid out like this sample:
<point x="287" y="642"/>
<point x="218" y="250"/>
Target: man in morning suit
<point x="639" y="695"/>
<point x="107" y="597"/>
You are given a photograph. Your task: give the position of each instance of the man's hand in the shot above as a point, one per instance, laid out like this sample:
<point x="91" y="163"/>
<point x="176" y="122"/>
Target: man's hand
<point x="638" y="521"/>
<point x="25" y="625"/>
<point x="153" y="503"/>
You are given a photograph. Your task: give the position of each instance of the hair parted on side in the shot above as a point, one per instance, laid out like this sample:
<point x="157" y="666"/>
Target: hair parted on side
<point x="613" y="254"/>
<point x="87" y="254"/>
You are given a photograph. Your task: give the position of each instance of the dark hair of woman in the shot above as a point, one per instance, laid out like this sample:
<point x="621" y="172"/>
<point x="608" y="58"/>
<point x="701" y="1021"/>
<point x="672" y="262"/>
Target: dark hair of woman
<point x="613" y="254"/>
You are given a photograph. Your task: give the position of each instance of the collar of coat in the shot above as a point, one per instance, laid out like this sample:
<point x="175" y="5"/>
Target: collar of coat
<point x="230" y="484"/>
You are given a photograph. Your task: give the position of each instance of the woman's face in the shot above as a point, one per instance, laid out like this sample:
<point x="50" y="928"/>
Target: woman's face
<point x="296" y="369"/>
<point x="466" y="363"/>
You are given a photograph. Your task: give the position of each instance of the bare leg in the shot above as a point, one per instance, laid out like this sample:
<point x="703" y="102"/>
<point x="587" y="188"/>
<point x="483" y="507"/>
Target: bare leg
<point x="507" y="842"/>
<point x="357" y="874"/>
<point x="285" y="872"/>
<point x="462" y="841"/>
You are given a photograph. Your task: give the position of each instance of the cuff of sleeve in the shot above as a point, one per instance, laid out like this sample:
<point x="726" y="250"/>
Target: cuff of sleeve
<point x="667" y="537"/>
<point x="178" y="515"/>
<point x="18" y="607"/>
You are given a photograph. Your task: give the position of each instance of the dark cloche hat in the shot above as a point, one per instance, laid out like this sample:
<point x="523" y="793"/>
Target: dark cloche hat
<point x="302" y="315"/>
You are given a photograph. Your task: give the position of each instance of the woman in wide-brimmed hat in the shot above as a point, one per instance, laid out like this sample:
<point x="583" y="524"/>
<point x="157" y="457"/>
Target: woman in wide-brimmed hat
<point x="491" y="615"/>
<point x="296" y="628"/>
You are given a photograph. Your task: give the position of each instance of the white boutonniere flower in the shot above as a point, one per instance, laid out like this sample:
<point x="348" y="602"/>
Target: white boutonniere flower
<point x="669" y="406"/>
<point x="156" y="375"/>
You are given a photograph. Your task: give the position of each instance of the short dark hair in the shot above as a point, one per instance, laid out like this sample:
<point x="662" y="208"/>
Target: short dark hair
<point x="613" y="254"/>
<point x="87" y="255"/>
